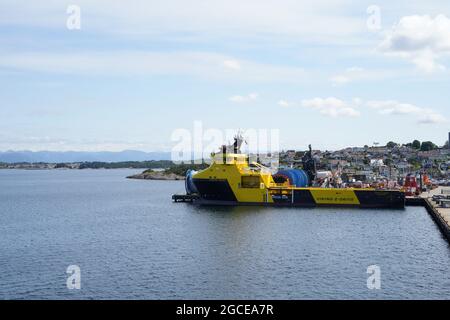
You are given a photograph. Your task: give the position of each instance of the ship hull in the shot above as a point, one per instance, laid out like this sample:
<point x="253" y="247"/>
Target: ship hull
<point x="219" y="192"/>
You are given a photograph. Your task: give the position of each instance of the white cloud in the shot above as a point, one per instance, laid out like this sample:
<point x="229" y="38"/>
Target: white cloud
<point x="355" y="69"/>
<point x="339" y="80"/>
<point x="432" y="118"/>
<point x="332" y="107"/>
<point x="284" y="103"/>
<point x="47" y="143"/>
<point x="423" y="40"/>
<point x="208" y="65"/>
<point x="241" y="99"/>
<point x="357" y="74"/>
<point x="232" y="64"/>
<point x="392" y="107"/>
<point x="212" y="19"/>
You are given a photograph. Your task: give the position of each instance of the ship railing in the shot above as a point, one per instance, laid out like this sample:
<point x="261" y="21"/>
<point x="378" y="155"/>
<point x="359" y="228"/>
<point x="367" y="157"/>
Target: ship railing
<point x="262" y="169"/>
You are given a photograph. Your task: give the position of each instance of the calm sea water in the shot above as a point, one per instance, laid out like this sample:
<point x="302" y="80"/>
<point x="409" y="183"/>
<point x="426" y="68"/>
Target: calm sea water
<point x="132" y="242"/>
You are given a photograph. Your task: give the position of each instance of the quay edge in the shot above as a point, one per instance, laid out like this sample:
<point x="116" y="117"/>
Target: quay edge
<point x="441" y="216"/>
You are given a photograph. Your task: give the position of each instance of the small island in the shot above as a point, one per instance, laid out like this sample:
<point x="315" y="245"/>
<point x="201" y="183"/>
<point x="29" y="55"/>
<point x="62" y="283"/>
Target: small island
<point x="174" y="172"/>
<point x="151" y="174"/>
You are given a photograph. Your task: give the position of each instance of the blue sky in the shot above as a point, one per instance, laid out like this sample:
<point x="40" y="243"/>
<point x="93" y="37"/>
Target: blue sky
<point x="136" y="71"/>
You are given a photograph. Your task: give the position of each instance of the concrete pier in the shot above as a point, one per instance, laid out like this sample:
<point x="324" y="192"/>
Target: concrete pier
<point x="440" y="215"/>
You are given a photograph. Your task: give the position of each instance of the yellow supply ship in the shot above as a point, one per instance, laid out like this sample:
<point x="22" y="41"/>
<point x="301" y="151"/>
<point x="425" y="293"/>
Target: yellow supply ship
<point x="232" y="180"/>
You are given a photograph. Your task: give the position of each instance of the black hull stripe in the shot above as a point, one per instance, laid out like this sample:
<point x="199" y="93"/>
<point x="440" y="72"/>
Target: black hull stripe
<point x="219" y="192"/>
<point x="367" y="199"/>
<point x="375" y="198"/>
<point x="214" y="190"/>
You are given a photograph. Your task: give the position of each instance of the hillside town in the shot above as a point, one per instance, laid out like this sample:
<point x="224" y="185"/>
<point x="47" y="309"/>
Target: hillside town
<point x="388" y="164"/>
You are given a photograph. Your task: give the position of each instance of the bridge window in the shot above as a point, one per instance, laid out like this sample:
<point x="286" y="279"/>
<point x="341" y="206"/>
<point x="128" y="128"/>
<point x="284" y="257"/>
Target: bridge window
<point x="250" y="182"/>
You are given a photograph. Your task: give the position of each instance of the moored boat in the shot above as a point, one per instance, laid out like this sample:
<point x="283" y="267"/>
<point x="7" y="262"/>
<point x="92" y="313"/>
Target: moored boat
<point x="232" y="179"/>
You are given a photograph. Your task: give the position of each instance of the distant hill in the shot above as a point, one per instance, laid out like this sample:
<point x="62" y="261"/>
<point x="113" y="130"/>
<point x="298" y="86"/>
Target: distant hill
<point x="80" y="156"/>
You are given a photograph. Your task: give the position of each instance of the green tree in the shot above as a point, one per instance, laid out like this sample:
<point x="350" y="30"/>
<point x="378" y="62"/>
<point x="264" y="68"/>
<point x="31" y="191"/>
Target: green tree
<point x="391" y="144"/>
<point x="416" y="144"/>
<point x="181" y="169"/>
<point x="427" y="146"/>
<point x="415" y="163"/>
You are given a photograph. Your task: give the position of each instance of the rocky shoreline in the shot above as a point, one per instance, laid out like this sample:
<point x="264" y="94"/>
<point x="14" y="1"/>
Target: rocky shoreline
<point x="156" y="175"/>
